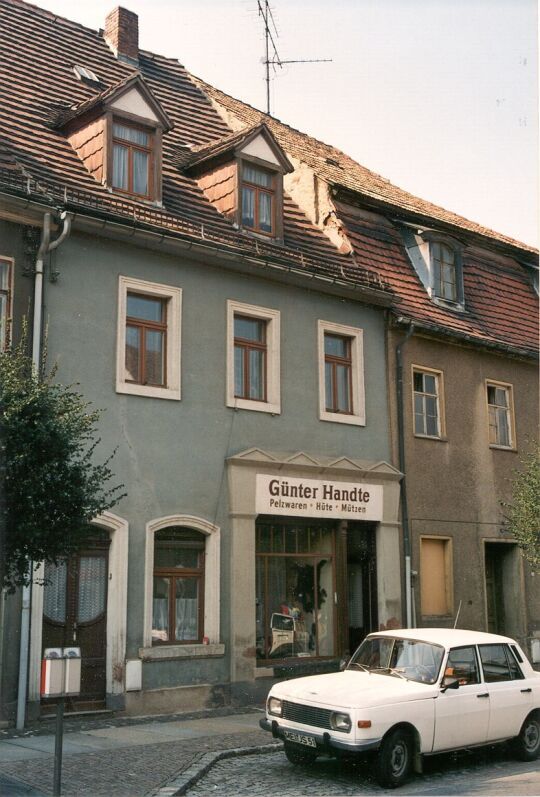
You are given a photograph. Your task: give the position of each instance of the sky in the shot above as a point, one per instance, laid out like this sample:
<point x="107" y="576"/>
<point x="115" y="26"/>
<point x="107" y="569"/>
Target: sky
<point x="438" y="96"/>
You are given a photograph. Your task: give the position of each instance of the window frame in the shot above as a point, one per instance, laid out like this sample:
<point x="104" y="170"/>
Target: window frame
<point x="448" y="574"/>
<point x="131" y="146"/>
<point x="357" y="417"/>
<point x="441" y="421"/>
<point x="430" y="239"/>
<point x="272" y="401"/>
<point x="152" y="326"/>
<point x="512" y="446"/>
<point x="276" y="172"/>
<point x="335" y="360"/>
<point x="155" y="131"/>
<point x="247" y="346"/>
<point x="258" y="189"/>
<point x="8" y="321"/>
<point x="172" y="367"/>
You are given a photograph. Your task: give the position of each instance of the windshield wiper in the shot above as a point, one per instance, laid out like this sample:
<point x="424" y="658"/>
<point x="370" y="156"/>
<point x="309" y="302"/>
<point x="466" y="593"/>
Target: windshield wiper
<point x="391" y="671"/>
<point x="357" y="664"/>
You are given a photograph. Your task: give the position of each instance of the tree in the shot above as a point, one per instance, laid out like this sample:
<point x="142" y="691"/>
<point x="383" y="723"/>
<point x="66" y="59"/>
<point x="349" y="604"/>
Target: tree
<point x="52" y="488"/>
<point x="523" y="511"/>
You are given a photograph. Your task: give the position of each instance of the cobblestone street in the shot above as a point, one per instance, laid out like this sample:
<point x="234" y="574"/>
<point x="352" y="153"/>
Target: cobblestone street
<point x="491" y="772"/>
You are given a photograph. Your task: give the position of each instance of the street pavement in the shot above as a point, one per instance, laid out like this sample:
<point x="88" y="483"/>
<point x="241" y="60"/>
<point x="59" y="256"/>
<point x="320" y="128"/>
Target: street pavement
<point x="223" y="753"/>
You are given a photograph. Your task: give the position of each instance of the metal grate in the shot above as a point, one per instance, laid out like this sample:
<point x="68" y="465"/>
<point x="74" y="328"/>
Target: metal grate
<point x="307" y="715"/>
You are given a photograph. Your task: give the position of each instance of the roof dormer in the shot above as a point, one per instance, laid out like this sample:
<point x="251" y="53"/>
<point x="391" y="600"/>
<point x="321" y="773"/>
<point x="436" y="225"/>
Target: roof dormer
<point x="437" y="260"/>
<point x="242" y="175"/>
<point x="117" y="135"/>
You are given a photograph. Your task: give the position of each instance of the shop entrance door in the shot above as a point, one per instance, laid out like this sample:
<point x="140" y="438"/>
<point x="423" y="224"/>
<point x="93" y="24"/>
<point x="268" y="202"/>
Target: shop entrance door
<point x="361" y="582"/>
<point x="75" y="614"/>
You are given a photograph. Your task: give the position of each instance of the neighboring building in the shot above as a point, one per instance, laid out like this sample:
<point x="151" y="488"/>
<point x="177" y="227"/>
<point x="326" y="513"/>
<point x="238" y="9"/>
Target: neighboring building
<point x="232" y="292"/>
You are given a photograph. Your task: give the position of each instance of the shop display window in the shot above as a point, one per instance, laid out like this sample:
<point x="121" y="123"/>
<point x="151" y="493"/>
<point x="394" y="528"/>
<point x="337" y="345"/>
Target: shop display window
<point x="295" y="588"/>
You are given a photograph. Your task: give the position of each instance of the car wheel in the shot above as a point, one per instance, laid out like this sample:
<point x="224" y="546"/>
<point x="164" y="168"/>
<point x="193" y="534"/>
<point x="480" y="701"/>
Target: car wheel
<point x="394" y="759"/>
<point x="299" y="756"/>
<point x="527" y="744"/>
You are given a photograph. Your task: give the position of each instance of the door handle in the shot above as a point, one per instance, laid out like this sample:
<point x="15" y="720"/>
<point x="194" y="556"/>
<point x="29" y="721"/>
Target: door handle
<point x="526" y="690"/>
<point x="484" y="694"/>
<point x="75" y="632"/>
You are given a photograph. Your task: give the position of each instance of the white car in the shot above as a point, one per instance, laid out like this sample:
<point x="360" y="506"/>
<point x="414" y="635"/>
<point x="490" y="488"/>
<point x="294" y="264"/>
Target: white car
<point x="410" y="693"/>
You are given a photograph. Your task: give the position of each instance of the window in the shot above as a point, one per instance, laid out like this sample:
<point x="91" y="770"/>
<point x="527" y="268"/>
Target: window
<point x="178" y="594"/>
<point x="436" y="594"/>
<point x="444" y="272"/>
<point x="258" y="199"/>
<point x="6" y="276"/>
<point x="294" y="590"/>
<point x="427" y="392"/>
<point x="341" y="374"/>
<point x="462" y="664"/>
<point x="148" y="349"/>
<point x="499" y="664"/>
<point x="253" y="365"/>
<point x="500" y="414"/>
<point x="132" y="159"/>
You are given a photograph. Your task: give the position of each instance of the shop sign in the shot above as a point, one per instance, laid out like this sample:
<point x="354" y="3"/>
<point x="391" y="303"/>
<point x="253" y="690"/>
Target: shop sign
<point x="277" y="495"/>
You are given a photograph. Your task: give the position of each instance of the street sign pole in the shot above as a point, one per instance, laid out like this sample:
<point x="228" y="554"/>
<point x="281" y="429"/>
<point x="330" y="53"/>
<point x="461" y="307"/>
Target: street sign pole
<point x="58" y="742"/>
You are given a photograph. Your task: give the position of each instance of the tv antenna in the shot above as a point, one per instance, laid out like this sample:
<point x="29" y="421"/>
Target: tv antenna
<point x="272" y="61"/>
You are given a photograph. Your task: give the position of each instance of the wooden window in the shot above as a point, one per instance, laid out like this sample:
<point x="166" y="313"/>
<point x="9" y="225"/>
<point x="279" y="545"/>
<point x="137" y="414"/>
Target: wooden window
<point x="132" y="165"/>
<point x="6" y="276"/>
<point x="178" y="592"/>
<point x="426" y="402"/>
<point x="249" y="358"/>
<point x="258" y="199"/>
<point x="445" y="282"/>
<point x="500" y="414"/>
<point x="436" y="576"/>
<point x="146" y="339"/>
<point x="338" y="374"/>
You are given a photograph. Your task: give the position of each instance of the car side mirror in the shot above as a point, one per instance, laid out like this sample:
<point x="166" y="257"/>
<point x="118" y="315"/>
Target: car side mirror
<point x="343" y="663"/>
<point x="449" y="682"/>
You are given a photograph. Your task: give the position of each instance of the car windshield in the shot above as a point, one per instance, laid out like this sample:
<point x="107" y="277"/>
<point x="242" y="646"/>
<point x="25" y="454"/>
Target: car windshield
<point x="401" y="658"/>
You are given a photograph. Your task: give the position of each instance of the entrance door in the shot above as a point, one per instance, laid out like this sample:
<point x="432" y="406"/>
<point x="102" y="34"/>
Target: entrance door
<point x="495" y="588"/>
<point x="361" y="582"/>
<point x="75" y="614"/>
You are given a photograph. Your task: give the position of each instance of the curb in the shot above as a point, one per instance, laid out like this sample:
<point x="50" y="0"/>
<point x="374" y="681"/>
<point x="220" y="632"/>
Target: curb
<point x="189" y="777"/>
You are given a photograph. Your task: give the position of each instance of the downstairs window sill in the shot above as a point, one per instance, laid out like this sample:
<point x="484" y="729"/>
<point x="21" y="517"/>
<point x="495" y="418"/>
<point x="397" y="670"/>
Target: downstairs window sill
<point x="166" y="652"/>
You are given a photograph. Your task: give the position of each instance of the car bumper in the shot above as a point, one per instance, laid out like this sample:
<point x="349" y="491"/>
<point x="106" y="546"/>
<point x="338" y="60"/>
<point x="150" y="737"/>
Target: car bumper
<point x="325" y="742"/>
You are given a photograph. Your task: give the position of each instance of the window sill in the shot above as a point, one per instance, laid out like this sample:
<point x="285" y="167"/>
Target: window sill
<point x="431" y="437"/>
<point x="166" y="652"/>
<point x="448" y="305"/>
<point x="148" y="391"/>
<point x="257" y="406"/>
<point x="336" y="417"/>
<point x="503" y="448"/>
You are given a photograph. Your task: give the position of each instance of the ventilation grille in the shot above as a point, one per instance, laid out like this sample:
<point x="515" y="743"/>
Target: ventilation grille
<point x="307" y="715"/>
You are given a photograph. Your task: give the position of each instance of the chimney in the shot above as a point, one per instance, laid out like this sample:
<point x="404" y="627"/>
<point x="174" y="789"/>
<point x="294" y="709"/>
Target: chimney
<point x="122" y="34"/>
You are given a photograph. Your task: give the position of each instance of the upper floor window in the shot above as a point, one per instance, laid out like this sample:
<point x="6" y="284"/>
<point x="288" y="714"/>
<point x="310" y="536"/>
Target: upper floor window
<point x="132" y="159"/>
<point x="6" y="276"/>
<point x="148" y="339"/>
<point x="249" y="358"/>
<point x="427" y="394"/>
<point x="444" y="272"/>
<point x="341" y="373"/>
<point x="258" y="199"/>
<point x="500" y="414"/>
<point x="338" y="373"/>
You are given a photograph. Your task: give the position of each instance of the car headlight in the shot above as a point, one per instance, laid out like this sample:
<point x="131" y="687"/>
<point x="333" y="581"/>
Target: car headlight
<point x="340" y="722"/>
<point x="274" y="706"/>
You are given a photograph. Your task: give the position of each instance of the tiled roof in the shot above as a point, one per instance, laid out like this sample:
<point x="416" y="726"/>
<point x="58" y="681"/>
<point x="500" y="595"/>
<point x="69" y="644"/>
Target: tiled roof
<point x="43" y="49"/>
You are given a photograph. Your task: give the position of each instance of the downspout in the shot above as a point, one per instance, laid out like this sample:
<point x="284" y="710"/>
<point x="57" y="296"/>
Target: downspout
<point x="401" y="454"/>
<point x="45" y="247"/>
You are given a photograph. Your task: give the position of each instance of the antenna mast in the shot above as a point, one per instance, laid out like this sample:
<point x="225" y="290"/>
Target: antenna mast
<point x="266" y="13"/>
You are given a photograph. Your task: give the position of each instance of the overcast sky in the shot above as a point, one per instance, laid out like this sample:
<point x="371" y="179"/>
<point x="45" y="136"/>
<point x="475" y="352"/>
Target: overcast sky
<point x="439" y="96"/>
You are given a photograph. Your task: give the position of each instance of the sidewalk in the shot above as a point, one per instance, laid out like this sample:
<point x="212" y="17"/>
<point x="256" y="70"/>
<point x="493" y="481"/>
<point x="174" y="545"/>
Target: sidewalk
<point x="143" y="756"/>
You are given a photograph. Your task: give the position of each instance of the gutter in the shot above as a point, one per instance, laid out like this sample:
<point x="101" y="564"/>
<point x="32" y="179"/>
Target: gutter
<point x="401" y="455"/>
<point x="45" y="247"/>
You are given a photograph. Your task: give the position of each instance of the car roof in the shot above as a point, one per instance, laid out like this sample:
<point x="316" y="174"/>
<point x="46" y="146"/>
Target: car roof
<point x="448" y="637"/>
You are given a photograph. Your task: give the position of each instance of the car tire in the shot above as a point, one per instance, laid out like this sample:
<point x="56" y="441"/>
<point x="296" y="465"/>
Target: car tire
<point x="299" y="756"/>
<point x="527" y="744"/>
<point x="394" y="759"/>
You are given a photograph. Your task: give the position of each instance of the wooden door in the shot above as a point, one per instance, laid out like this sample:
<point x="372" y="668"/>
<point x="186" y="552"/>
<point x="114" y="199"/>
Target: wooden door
<point x="75" y="614"/>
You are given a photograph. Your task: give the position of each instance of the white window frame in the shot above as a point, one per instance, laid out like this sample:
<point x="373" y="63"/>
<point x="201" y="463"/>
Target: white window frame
<point x="173" y="296"/>
<point x="510" y="414"/>
<point x="211" y="587"/>
<point x="273" y="390"/>
<point x="356" y="335"/>
<point x="439" y="381"/>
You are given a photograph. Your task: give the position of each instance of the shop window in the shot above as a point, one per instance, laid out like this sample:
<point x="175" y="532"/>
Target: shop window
<point x="258" y="199"/>
<point x="6" y="276"/>
<point x="295" y="576"/>
<point x="132" y="159"/>
<point x="148" y="350"/>
<point x="427" y="402"/>
<point x="341" y="374"/>
<point x="500" y="415"/>
<point x="436" y="594"/>
<point x="253" y="358"/>
<point x="178" y="591"/>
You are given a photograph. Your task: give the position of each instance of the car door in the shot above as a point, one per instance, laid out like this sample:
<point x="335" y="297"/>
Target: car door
<point x="510" y="696"/>
<point x="462" y="714"/>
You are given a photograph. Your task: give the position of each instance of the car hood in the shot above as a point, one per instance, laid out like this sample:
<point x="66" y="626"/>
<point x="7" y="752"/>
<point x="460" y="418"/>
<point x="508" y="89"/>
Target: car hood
<point x="353" y="689"/>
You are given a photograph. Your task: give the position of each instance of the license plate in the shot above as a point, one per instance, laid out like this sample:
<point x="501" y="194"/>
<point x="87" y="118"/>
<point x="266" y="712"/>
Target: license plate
<point x="300" y="738"/>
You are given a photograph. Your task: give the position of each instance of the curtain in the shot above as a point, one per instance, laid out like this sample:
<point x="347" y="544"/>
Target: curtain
<point x="54" y="593"/>
<point x="265" y="212"/>
<point x="91" y="598"/>
<point x="140" y="172"/>
<point x="248" y="207"/>
<point x="120" y="167"/>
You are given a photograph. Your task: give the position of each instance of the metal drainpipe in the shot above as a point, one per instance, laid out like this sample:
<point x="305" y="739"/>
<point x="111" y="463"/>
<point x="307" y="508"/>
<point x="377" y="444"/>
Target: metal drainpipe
<point x="45" y="246"/>
<point x="401" y="452"/>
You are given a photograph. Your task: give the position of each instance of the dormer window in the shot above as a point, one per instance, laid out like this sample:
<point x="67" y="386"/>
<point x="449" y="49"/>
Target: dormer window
<point x="437" y="260"/>
<point x="132" y="159"/>
<point x="258" y="199"/>
<point x="444" y="272"/>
